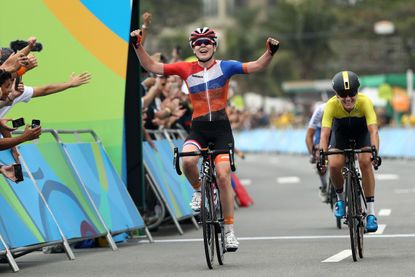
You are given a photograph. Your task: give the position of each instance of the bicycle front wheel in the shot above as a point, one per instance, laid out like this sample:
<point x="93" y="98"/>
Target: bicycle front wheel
<point x="206" y="213"/>
<point x="360" y="217"/>
<point x="219" y="228"/>
<point x="351" y="216"/>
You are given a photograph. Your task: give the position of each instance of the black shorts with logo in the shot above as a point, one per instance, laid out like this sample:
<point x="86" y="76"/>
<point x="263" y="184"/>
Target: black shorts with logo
<point x="217" y="132"/>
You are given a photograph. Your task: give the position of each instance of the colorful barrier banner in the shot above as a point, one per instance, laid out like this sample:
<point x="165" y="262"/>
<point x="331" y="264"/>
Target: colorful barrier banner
<point x="24" y="217"/>
<point x="65" y="197"/>
<point x="105" y="187"/>
<point x="160" y="165"/>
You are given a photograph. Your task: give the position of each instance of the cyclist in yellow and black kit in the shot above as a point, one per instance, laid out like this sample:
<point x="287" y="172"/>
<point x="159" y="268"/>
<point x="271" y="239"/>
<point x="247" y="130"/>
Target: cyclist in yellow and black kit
<point x="350" y="116"/>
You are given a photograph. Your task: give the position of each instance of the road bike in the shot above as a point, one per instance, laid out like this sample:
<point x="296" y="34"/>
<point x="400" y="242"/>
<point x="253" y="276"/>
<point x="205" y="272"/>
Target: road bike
<point x="355" y="197"/>
<point x="211" y="213"/>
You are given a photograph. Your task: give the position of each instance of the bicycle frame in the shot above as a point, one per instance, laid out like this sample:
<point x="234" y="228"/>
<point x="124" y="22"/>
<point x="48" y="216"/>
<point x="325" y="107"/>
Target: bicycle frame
<point x="211" y="209"/>
<point x="355" y="198"/>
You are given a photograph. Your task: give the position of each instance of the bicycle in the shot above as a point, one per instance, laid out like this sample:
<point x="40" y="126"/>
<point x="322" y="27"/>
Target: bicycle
<point x="211" y="212"/>
<point x="355" y="198"/>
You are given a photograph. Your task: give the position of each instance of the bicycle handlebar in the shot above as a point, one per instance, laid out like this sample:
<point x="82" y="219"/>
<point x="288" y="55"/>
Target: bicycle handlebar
<point x="204" y="153"/>
<point x="372" y="149"/>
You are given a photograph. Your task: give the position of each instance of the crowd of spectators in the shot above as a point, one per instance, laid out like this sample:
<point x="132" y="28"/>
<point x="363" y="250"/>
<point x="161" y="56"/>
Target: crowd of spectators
<point x="16" y="62"/>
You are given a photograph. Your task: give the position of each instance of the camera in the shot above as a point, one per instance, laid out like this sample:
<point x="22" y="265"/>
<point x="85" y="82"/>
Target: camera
<point x="35" y="123"/>
<point x="18" y="173"/>
<point x="18" y="122"/>
<point x="17" y="82"/>
<point x="20" y="44"/>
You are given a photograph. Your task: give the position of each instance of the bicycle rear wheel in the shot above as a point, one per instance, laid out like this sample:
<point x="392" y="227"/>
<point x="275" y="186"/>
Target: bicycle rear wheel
<point x="206" y="213"/>
<point x="351" y="217"/>
<point x="219" y="228"/>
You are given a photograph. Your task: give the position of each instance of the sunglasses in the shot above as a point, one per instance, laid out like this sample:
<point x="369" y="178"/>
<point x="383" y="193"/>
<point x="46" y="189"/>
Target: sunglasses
<point x="344" y="94"/>
<point x="205" y="41"/>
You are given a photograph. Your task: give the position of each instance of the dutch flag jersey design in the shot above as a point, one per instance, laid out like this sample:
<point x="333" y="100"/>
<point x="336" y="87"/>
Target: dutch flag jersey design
<point x="208" y="87"/>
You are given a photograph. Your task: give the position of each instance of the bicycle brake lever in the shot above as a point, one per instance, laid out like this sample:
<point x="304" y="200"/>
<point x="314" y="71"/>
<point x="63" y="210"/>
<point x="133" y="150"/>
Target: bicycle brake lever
<point x="176" y="162"/>
<point x="231" y="158"/>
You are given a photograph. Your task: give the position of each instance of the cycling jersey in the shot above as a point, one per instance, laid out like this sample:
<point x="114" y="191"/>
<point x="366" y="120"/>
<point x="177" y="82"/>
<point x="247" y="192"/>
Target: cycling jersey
<point x="347" y="126"/>
<point x="208" y="87"/>
<point x="315" y="122"/>
<point x="362" y="115"/>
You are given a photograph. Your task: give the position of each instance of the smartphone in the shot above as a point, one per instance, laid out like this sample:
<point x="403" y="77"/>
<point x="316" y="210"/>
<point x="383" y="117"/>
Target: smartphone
<point x="35" y="123"/>
<point x="17" y="82"/>
<point x="18" y="173"/>
<point x="18" y="122"/>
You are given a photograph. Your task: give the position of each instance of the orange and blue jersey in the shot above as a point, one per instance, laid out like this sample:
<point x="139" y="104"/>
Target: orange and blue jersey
<point x="208" y="87"/>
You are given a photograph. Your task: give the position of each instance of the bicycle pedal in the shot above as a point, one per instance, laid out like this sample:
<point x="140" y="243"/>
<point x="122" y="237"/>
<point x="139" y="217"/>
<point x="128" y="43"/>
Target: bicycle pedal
<point x="231" y="249"/>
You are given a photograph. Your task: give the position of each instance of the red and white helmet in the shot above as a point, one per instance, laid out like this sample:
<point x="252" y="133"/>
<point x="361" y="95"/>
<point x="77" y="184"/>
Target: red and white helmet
<point x="204" y="32"/>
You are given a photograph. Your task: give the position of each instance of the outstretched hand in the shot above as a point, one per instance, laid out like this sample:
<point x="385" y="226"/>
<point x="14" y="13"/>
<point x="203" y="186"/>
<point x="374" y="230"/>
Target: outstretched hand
<point x="272" y="45"/>
<point x="81" y="79"/>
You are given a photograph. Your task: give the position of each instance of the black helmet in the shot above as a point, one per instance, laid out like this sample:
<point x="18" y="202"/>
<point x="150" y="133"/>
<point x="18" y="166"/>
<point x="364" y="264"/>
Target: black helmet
<point x="346" y="83"/>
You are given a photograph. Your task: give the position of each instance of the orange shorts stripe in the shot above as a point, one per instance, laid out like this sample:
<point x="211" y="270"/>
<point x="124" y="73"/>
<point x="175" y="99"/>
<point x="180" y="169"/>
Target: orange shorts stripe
<point x="222" y="158"/>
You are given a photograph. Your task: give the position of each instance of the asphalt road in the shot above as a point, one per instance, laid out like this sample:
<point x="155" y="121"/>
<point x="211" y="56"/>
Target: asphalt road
<point x="287" y="232"/>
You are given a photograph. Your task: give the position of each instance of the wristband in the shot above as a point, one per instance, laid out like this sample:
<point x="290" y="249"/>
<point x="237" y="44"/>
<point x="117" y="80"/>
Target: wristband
<point x="22" y="70"/>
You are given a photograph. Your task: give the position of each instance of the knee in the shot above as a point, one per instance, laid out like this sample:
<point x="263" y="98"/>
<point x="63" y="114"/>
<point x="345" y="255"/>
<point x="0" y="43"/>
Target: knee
<point x="188" y="163"/>
<point x="335" y="166"/>
<point x="223" y="178"/>
<point x="365" y="164"/>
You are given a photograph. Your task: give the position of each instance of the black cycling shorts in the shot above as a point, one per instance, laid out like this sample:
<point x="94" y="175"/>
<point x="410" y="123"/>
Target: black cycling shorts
<point x="217" y="132"/>
<point x="342" y="137"/>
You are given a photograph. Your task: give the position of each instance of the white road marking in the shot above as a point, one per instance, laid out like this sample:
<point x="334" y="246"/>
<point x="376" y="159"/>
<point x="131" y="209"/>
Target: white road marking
<point x="402" y="191"/>
<point x="338" y="257"/>
<point x="288" y="180"/>
<point x="386" y="177"/>
<point x="384" y="212"/>
<point x="288" y="238"/>
<point x="246" y="182"/>
<point x="381" y="228"/>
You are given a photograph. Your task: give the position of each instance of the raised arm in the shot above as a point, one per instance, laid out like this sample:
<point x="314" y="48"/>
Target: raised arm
<point x="262" y="62"/>
<point x="146" y="61"/>
<point x="74" y="81"/>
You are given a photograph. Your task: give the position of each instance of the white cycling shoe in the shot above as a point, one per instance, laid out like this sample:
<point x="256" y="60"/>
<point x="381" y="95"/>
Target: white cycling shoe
<point x="231" y="243"/>
<point x="196" y="201"/>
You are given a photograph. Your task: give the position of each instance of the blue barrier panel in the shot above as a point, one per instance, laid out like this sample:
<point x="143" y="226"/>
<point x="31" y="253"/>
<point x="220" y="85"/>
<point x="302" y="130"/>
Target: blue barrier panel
<point x="65" y="197"/>
<point x="107" y="190"/>
<point x="161" y="168"/>
<point x="394" y="142"/>
<point x="25" y="220"/>
<point x="180" y="180"/>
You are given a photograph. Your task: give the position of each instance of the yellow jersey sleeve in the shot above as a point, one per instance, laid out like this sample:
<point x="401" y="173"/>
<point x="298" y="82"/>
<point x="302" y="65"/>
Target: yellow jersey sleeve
<point x="369" y="112"/>
<point x="328" y="114"/>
